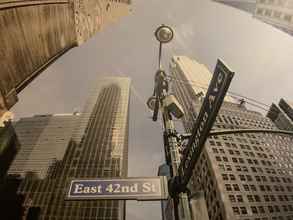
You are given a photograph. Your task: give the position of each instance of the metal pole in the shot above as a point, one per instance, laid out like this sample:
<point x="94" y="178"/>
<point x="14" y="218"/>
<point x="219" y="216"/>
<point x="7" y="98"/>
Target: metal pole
<point x="160" y="55"/>
<point x="164" y="34"/>
<point x="181" y="201"/>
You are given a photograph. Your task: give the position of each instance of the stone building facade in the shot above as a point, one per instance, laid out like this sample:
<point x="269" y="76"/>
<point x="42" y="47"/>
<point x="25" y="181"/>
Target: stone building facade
<point x="35" y="33"/>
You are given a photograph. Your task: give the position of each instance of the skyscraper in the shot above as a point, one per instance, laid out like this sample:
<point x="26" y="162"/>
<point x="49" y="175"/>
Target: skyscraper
<point x="195" y="78"/>
<point x="243" y="176"/>
<point x="278" y="13"/>
<point x="44" y="139"/>
<point x="35" y="33"/>
<point x="97" y="148"/>
<point x="282" y="115"/>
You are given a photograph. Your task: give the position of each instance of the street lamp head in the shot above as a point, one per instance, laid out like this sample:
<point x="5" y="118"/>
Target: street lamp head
<point x="164" y="34"/>
<point x="151" y="103"/>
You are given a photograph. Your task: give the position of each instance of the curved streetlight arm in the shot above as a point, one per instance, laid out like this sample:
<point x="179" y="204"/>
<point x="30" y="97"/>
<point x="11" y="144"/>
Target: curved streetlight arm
<point x="238" y="131"/>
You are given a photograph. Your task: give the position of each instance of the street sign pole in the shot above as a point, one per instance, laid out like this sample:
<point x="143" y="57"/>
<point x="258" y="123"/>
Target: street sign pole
<point x="167" y="104"/>
<point x="181" y="202"/>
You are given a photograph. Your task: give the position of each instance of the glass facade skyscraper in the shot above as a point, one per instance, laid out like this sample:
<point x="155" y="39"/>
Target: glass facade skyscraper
<point x="243" y="176"/>
<point x="97" y="148"/>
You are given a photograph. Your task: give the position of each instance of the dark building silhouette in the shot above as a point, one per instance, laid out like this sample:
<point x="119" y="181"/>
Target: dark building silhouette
<point x="97" y="148"/>
<point x="10" y="203"/>
<point x="8" y="147"/>
<point x="35" y="33"/>
<point x="243" y="176"/>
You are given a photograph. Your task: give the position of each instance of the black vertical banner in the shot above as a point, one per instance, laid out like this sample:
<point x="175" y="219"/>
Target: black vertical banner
<point x="213" y="100"/>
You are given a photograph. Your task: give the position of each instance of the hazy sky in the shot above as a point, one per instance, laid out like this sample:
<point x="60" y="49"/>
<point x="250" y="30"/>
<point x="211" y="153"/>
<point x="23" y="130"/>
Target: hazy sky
<point x="260" y="55"/>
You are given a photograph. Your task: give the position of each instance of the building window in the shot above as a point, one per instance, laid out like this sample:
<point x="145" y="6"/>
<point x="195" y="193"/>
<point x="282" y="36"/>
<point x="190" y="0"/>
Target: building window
<point x="225" y="159"/>
<point x="215" y="150"/>
<point x="257" y="198"/>
<point x="228" y="187"/>
<point x="244" y="169"/>
<point x="225" y="177"/>
<point x="250" y="198"/>
<point x="261" y="209"/>
<point x="254" y="209"/>
<point x="270" y="209"/>
<point x="232" y="198"/>
<point x="277" y="208"/>
<point x="232" y="177"/>
<point x="238" y="168"/>
<point x="236" y="210"/>
<point x="246" y="187"/>
<point x="273" y="198"/>
<point x="236" y="187"/>
<point x="253" y="187"/>
<point x="249" y="178"/>
<point x="242" y="177"/>
<point x="288" y="18"/>
<point x="239" y="198"/>
<point x="218" y="158"/>
<point x="243" y="210"/>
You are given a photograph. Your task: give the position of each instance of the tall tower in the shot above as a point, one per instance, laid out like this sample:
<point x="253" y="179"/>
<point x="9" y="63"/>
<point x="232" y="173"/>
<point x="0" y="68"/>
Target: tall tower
<point x="282" y="115"/>
<point x="194" y="79"/>
<point x="35" y="33"/>
<point x="98" y="148"/>
<point x="243" y="176"/>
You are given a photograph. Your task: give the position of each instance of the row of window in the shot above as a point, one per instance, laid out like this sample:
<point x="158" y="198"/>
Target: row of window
<point x="242" y="146"/>
<point x="261" y="198"/>
<point x="242" y="210"/>
<point x="242" y="121"/>
<point x="242" y="161"/>
<point x="248" y="178"/>
<point x="274" y="14"/>
<point x="263" y="188"/>
<point x="246" y="153"/>
<point x="228" y="167"/>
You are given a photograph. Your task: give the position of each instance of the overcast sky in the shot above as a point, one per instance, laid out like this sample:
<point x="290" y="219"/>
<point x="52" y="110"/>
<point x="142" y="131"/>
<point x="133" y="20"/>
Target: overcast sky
<point x="260" y="55"/>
